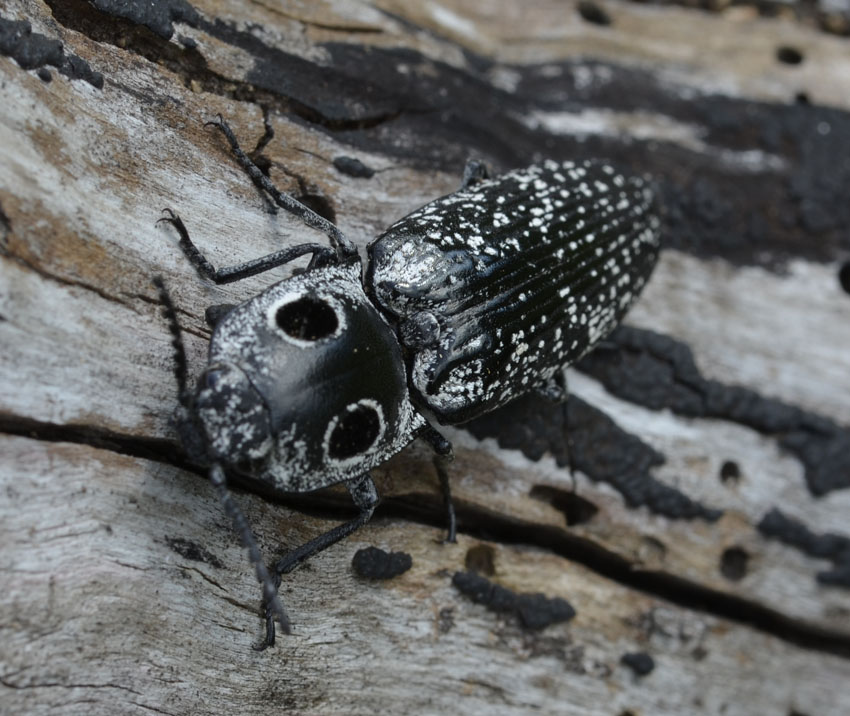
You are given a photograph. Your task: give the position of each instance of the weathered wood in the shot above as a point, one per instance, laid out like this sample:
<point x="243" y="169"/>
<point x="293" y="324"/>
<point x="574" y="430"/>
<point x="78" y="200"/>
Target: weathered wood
<point x="124" y="588"/>
<point x="111" y="605"/>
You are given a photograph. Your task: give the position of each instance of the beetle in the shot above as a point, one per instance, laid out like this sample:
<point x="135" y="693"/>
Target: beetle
<point x="472" y="300"/>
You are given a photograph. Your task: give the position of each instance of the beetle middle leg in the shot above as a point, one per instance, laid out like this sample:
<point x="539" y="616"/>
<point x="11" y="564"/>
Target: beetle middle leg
<point x="444" y="455"/>
<point x="365" y="495"/>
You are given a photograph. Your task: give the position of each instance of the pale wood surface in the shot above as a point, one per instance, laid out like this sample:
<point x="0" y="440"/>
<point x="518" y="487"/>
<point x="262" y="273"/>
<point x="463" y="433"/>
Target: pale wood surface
<point x="101" y="613"/>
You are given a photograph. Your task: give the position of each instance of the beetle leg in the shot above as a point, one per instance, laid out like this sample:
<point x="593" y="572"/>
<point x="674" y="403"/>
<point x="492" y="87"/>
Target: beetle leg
<point x="556" y="389"/>
<point x="343" y="246"/>
<point x="444" y="455"/>
<point x="440" y="466"/>
<point x="228" y="274"/>
<point x="271" y="599"/>
<point x="365" y="496"/>
<point x="474" y="172"/>
<point x="438" y="442"/>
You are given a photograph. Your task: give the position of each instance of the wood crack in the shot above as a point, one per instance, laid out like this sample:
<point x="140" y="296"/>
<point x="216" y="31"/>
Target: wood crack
<point x="486" y="525"/>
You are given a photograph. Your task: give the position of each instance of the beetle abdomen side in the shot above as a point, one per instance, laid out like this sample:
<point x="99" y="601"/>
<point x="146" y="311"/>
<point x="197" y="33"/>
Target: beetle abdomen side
<point x="495" y="288"/>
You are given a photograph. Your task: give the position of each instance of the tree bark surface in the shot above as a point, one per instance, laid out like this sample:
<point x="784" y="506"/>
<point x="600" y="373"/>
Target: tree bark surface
<point x="705" y="525"/>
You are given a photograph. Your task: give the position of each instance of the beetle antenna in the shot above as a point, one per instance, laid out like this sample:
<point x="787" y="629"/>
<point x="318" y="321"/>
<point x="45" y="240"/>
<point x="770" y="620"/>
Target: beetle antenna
<point x="240" y="524"/>
<point x="170" y="313"/>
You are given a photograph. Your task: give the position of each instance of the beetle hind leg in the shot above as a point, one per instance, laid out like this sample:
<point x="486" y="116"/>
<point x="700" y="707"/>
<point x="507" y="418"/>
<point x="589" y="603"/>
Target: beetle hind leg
<point x="556" y="390"/>
<point x="473" y="173"/>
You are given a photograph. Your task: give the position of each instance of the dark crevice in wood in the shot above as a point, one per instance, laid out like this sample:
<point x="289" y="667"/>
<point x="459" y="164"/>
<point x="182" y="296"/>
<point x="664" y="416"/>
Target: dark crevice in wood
<point x="578" y="435"/>
<point x="62" y="280"/>
<point x="482" y="524"/>
<point x="474" y="521"/>
<point x="155" y="449"/>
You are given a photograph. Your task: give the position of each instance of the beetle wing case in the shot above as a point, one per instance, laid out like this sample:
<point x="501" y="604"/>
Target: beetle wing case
<point x="306" y="386"/>
<point x="498" y="286"/>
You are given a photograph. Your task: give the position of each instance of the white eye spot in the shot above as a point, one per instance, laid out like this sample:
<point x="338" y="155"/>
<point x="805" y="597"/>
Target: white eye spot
<point x="355" y="432"/>
<point x="304" y="319"/>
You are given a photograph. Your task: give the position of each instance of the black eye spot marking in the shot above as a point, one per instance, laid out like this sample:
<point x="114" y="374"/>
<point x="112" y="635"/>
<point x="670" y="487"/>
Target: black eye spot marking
<point x="308" y="318"/>
<point x="354" y="431"/>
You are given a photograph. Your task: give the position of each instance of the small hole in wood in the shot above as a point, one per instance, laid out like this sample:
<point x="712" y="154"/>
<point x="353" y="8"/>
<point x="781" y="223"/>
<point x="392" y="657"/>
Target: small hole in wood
<point x="844" y="276"/>
<point x="733" y="563"/>
<point x="789" y="55"/>
<point x="320" y="205"/>
<point x="593" y="13"/>
<point x="730" y="472"/>
<point x="481" y="559"/>
<point x="577" y="510"/>
<point x="263" y="163"/>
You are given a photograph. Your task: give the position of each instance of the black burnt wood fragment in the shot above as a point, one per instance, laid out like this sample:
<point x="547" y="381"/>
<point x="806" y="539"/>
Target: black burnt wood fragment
<point x="580" y="435"/>
<point x="761" y="182"/>
<point x="159" y="17"/>
<point x="659" y="372"/>
<point x="535" y="611"/>
<point x="834" y="547"/>
<point x="375" y="563"/>
<point x="32" y="50"/>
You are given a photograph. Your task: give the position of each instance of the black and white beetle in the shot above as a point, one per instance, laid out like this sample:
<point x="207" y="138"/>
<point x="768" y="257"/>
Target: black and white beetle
<point x="469" y="302"/>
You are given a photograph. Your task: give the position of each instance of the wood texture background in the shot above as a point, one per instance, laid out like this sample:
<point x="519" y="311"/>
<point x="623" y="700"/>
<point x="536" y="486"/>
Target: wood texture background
<point x="124" y="589"/>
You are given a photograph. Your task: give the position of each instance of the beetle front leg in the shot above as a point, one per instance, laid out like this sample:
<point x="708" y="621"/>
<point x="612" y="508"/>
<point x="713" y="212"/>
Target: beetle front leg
<point x="365" y="495"/>
<point x="321" y="255"/>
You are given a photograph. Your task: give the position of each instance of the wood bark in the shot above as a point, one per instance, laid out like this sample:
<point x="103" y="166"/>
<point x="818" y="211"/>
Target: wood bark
<point x="124" y="590"/>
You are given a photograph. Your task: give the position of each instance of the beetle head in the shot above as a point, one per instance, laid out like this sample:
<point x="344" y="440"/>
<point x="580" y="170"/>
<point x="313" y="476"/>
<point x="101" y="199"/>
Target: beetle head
<point x="306" y="384"/>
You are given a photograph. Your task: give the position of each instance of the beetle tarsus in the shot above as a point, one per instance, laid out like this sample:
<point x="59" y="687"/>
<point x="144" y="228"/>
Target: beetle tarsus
<point x="269" y="617"/>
